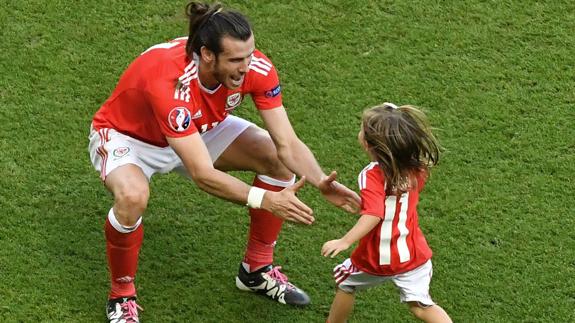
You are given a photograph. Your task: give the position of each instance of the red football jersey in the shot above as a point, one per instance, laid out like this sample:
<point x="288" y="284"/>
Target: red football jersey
<point x="396" y="245"/>
<point x="159" y="95"/>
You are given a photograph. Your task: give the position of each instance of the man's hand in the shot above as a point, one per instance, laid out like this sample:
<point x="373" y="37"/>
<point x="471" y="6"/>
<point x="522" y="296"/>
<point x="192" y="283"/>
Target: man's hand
<point x="339" y="195"/>
<point x="287" y="206"/>
<point x="333" y="247"/>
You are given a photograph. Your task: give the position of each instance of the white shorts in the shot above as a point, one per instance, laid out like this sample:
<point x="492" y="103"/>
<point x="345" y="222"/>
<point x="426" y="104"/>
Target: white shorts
<point x="413" y="285"/>
<point x="110" y="149"/>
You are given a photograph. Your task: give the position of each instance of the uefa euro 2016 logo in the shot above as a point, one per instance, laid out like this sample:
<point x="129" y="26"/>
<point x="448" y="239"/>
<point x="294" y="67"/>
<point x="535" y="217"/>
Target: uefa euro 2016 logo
<point x="179" y="119"/>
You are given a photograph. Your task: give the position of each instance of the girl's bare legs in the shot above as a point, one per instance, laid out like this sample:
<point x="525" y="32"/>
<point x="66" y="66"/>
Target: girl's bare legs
<point x="429" y="314"/>
<point x="341" y="307"/>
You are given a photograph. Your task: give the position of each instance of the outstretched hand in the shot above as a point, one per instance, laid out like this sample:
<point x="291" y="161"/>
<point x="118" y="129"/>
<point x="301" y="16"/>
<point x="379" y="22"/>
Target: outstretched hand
<point x="333" y="247"/>
<point x="286" y="205"/>
<point x="339" y="195"/>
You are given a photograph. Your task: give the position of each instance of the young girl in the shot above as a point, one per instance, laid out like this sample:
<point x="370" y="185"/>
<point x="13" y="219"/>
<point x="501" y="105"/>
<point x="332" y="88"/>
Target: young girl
<point x="401" y="147"/>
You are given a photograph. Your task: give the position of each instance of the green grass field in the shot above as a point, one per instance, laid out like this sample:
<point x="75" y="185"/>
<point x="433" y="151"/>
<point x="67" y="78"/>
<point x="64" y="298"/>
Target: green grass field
<point x="496" y="78"/>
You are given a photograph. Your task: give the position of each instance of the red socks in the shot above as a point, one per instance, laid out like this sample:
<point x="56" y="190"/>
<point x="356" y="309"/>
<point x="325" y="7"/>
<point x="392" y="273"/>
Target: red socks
<point x="123" y="247"/>
<point x="123" y="244"/>
<point x="264" y="227"/>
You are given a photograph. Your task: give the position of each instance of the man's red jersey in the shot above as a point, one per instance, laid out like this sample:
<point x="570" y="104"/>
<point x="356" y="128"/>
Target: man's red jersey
<point x="396" y="245"/>
<point x="159" y="95"/>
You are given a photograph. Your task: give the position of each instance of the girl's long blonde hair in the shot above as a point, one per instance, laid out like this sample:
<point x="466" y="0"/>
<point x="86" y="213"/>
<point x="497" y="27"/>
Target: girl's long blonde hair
<point x="401" y="141"/>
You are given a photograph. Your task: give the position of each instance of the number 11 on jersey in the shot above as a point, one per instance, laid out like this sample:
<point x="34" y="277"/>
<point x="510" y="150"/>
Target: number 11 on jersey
<point x="391" y="205"/>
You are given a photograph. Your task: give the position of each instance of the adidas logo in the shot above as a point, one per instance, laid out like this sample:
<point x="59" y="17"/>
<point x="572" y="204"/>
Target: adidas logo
<point x="197" y="115"/>
<point x="125" y="279"/>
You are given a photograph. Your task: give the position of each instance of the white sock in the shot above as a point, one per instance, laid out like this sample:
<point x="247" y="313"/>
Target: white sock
<point x="276" y="182"/>
<point x="119" y="227"/>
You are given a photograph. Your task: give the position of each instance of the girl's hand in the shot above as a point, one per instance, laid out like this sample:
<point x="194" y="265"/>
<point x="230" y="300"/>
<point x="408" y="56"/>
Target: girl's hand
<point x="333" y="247"/>
<point x="339" y="195"/>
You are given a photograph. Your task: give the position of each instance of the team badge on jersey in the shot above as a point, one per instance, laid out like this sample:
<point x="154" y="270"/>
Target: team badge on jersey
<point x="121" y="151"/>
<point x="180" y="119"/>
<point x="274" y="92"/>
<point x="233" y="100"/>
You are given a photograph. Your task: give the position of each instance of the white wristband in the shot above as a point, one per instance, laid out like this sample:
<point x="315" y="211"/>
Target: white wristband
<point x="255" y="197"/>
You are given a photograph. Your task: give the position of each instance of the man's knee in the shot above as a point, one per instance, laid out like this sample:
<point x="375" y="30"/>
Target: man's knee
<point x="130" y="203"/>
<point x="134" y="197"/>
<point x="131" y="191"/>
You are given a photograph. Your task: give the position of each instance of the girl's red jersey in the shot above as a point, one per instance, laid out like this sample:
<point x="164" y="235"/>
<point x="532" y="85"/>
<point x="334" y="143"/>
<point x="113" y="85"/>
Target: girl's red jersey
<point x="396" y="245"/>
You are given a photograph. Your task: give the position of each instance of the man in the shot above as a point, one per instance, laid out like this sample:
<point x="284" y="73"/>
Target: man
<point x="171" y="111"/>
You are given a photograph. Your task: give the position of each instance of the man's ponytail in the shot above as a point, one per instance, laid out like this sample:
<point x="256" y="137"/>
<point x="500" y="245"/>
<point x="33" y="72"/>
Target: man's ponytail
<point x="208" y="23"/>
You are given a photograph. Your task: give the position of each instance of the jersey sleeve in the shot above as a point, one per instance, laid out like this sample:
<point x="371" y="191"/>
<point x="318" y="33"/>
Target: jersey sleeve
<point x="265" y="88"/>
<point x="372" y="192"/>
<point x="171" y="102"/>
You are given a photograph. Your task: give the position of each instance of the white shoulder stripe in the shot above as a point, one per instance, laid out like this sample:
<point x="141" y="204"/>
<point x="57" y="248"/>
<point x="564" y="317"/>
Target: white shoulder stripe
<point x="260" y="65"/>
<point x="186" y="78"/>
<point x="256" y="69"/>
<point x="187" y="81"/>
<point x="190" y="66"/>
<point x="182" y="91"/>
<point x="362" y="178"/>
<point x="262" y="61"/>
<point x="182" y="94"/>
